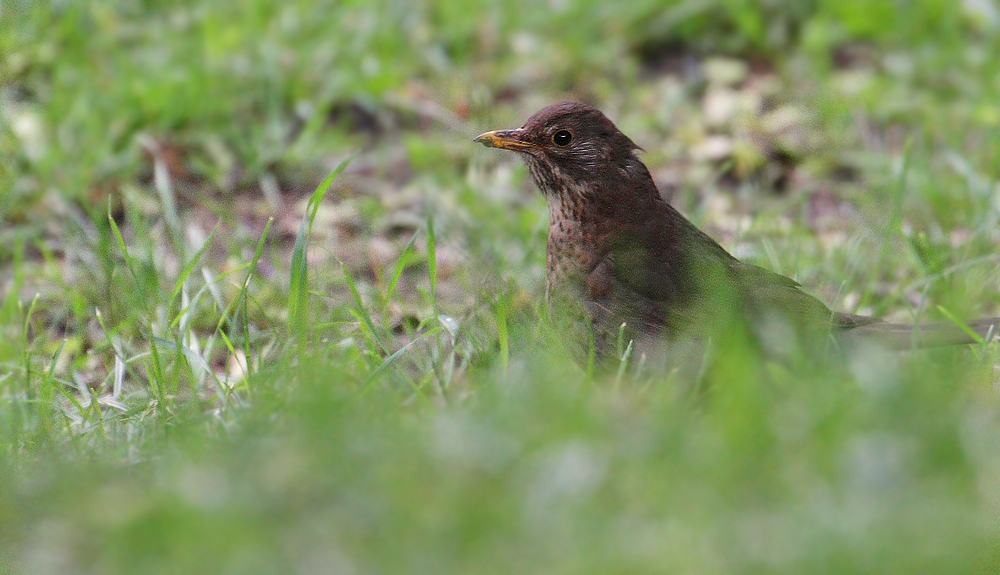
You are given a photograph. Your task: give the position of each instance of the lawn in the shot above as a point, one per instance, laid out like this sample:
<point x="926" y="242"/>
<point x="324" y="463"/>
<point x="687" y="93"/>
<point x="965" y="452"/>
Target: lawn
<point x="266" y="307"/>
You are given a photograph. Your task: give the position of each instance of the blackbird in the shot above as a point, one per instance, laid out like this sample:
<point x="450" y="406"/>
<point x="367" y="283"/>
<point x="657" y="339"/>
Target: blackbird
<point x="632" y="265"/>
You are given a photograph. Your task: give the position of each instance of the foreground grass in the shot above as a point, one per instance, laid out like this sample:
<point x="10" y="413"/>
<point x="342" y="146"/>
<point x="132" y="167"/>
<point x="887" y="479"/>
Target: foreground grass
<point x="206" y="368"/>
<point x="888" y="464"/>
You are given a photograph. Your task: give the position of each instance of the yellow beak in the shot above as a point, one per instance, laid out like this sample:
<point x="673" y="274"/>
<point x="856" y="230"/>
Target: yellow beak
<point x="505" y="139"/>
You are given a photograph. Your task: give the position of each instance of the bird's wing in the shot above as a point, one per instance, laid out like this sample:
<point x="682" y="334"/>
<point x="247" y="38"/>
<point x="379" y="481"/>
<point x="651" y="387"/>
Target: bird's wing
<point x="668" y="261"/>
<point x="772" y="294"/>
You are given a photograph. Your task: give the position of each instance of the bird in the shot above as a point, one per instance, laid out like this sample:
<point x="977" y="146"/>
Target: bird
<point x="626" y="262"/>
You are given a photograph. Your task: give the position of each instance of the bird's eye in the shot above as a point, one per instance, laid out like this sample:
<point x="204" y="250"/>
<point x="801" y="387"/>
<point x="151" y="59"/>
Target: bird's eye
<point x="562" y="138"/>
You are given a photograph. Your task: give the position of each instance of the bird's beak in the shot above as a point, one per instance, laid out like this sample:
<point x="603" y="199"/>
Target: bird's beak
<point x="505" y="139"/>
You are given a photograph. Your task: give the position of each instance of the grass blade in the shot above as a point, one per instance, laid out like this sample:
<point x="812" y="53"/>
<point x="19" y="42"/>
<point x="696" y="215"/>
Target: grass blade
<point x="298" y="296"/>
<point x="432" y="262"/>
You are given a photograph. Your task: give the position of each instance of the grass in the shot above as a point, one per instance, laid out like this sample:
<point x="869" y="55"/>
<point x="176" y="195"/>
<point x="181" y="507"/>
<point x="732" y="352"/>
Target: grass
<point x="215" y="360"/>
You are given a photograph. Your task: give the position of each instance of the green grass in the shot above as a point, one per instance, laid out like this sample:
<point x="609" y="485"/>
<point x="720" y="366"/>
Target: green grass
<point x="214" y="360"/>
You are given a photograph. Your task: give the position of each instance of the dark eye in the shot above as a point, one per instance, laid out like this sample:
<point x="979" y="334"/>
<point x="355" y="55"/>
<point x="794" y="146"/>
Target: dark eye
<point x="562" y="138"/>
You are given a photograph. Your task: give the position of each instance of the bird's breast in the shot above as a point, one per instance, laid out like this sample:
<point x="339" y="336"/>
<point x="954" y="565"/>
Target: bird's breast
<point x="579" y="240"/>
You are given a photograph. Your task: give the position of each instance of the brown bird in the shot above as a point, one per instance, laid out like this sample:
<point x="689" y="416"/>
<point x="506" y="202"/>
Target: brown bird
<point x="625" y="256"/>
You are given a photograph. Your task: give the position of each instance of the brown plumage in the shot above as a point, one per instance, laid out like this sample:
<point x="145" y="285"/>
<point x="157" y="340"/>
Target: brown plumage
<point x="616" y="247"/>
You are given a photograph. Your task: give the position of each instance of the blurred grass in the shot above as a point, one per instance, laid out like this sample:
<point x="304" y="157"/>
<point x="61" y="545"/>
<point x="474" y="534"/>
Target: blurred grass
<point x="159" y="411"/>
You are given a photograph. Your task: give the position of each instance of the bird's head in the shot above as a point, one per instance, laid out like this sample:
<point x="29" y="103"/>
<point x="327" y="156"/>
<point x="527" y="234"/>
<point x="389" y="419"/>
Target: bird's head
<point x="570" y="147"/>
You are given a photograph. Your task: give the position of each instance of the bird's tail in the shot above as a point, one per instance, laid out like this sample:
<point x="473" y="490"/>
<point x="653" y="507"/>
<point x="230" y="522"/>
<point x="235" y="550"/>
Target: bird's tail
<point x="902" y="336"/>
